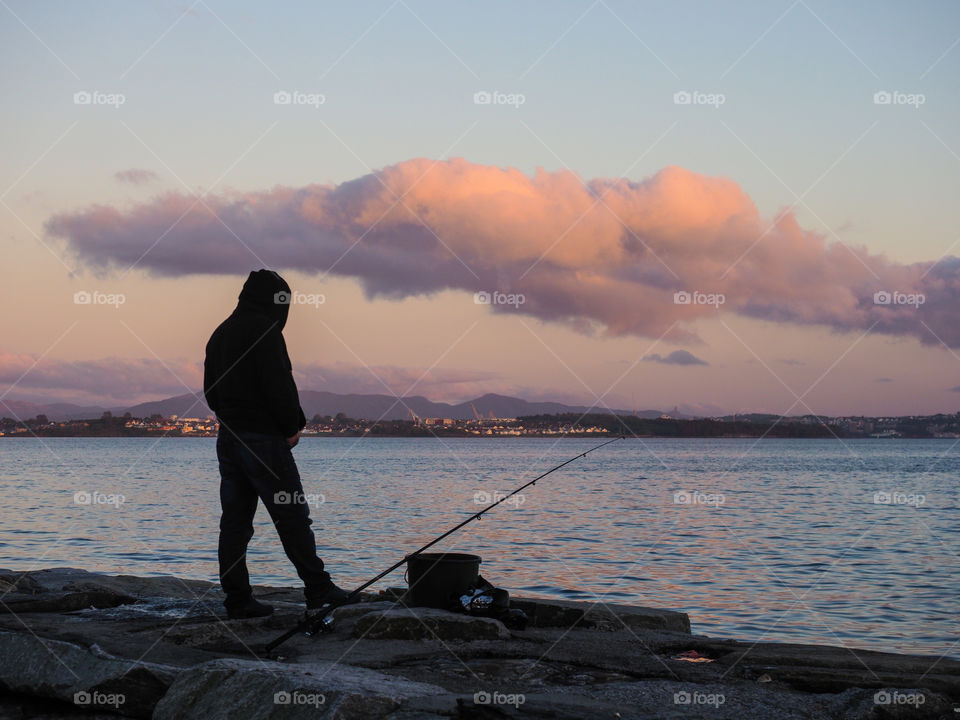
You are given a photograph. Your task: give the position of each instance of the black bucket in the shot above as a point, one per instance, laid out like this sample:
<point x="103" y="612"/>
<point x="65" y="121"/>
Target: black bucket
<point x="437" y="580"/>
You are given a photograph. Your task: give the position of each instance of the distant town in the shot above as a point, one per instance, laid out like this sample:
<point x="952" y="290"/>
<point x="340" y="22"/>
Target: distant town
<point x="546" y="425"/>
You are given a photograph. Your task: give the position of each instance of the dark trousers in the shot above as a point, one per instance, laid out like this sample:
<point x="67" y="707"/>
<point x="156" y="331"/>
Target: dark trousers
<point x="255" y="466"/>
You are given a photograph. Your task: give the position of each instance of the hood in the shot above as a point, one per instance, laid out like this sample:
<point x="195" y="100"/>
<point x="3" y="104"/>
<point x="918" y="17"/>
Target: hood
<point x="266" y="292"/>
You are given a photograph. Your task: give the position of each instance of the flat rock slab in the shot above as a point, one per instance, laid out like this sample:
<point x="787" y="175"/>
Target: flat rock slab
<point x="88" y="679"/>
<point x="667" y="700"/>
<point x="820" y="668"/>
<point x="600" y="616"/>
<point x="18" y="602"/>
<point x="403" y="623"/>
<point x="74" y="580"/>
<point x="228" y="689"/>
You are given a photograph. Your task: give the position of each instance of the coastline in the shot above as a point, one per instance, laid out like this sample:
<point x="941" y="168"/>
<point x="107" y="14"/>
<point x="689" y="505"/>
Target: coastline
<point x="75" y="642"/>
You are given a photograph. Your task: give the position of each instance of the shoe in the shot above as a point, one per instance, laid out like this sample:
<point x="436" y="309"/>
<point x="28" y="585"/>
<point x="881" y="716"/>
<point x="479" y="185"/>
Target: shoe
<point x="333" y="595"/>
<point x="250" y="609"/>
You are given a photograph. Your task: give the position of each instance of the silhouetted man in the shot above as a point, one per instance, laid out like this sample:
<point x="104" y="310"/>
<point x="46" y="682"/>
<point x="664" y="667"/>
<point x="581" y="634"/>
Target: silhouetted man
<point x="248" y="382"/>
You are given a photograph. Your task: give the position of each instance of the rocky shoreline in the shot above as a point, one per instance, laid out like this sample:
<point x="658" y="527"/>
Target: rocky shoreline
<point x="75" y="644"/>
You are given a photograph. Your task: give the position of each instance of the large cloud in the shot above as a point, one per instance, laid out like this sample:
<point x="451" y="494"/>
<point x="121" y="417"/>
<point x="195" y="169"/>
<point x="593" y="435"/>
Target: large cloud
<point x="602" y="253"/>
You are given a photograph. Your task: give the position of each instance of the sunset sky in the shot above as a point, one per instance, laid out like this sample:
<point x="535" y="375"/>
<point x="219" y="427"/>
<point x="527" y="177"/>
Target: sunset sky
<point x="583" y="162"/>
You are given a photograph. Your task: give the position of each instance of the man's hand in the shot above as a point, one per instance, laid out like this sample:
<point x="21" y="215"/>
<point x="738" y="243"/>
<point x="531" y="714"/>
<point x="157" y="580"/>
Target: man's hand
<point x="292" y="441"/>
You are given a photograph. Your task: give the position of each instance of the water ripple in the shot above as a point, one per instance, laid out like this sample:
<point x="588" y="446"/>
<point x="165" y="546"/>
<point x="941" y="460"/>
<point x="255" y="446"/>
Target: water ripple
<point x="785" y="540"/>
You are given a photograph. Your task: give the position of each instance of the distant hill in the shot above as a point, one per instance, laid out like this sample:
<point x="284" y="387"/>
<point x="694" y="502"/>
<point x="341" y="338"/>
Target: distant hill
<point x="186" y="405"/>
<point x="315" y="402"/>
<point x="752" y="417"/>
<point x="22" y="410"/>
<point x="387" y="407"/>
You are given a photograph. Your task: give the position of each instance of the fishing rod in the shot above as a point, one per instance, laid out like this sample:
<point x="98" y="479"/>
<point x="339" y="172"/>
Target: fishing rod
<point x="312" y="624"/>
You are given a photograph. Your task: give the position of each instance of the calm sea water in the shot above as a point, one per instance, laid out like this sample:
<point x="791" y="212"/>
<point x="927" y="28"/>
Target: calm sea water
<point x="781" y="540"/>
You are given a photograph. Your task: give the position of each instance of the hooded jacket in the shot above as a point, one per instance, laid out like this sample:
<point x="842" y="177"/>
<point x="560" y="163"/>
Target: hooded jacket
<point x="247" y="377"/>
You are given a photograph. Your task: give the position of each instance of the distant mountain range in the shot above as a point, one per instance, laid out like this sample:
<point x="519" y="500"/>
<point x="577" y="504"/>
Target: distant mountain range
<point x="315" y="402"/>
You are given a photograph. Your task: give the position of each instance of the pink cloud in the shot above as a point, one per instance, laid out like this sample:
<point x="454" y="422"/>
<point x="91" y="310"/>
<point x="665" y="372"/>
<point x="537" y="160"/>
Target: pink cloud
<point x="677" y="357"/>
<point x="600" y="254"/>
<point x="439" y="383"/>
<point x="103" y="380"/>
